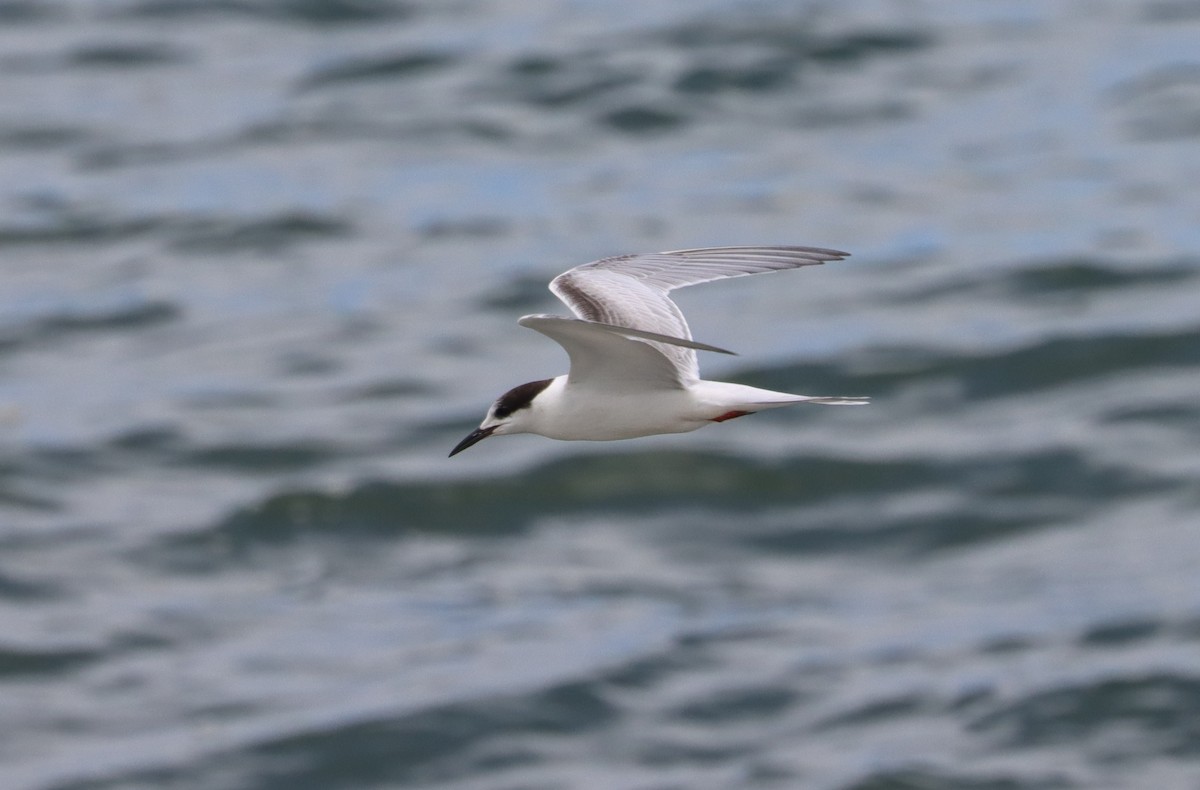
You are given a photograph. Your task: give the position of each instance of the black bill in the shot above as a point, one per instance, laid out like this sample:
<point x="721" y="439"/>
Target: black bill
<point x="475" y="436"/>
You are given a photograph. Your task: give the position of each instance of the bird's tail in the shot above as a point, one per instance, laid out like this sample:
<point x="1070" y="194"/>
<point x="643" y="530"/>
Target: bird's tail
<point x="739" y="397"/>
<point x="828" y="400"/>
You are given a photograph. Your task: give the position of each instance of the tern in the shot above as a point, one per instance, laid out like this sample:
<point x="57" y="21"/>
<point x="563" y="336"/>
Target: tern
<point x="633" y="360"/>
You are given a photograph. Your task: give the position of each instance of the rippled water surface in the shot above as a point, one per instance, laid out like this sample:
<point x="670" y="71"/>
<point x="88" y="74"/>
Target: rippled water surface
<point x="260" y="267"/>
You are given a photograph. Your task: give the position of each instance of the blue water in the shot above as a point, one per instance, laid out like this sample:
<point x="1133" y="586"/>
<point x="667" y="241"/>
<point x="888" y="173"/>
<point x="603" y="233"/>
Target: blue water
<point x="260" y="269"/>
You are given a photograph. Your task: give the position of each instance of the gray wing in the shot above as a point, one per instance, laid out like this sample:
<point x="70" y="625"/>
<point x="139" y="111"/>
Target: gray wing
<point x="631" y="290"/>
<point x="604" y="356"/>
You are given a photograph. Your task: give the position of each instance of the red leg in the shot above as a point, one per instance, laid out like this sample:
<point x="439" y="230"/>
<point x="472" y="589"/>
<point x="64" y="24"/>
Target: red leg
<point x="729" y="415"/>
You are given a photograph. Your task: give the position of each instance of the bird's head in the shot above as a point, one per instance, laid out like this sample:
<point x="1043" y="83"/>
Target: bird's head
<point x="511" y="413"/>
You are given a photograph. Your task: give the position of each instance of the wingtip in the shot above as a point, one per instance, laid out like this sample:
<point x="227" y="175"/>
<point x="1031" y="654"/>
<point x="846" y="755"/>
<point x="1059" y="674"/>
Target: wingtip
<point x="810" y="254"/>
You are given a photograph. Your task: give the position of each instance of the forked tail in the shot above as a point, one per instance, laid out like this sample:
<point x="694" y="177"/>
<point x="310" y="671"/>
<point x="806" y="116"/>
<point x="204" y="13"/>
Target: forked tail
<point x="833" y="400"/>
<point x="740" y="397"/>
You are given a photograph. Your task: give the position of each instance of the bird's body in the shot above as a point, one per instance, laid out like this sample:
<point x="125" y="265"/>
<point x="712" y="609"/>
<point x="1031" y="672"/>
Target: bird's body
<point x="633" y="361"/>
<point x="561" y="412"/>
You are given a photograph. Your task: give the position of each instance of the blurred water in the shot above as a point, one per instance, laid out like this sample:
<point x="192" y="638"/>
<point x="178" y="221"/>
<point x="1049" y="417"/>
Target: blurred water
<point x="260" y="265"/>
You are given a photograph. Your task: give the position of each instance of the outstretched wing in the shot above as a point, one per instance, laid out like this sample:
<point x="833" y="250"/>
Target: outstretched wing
<point x="631" y="290"/>
<point x="605" y="356"/>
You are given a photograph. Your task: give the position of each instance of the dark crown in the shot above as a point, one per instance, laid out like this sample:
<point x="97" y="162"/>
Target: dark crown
<point x="519" y="398"/>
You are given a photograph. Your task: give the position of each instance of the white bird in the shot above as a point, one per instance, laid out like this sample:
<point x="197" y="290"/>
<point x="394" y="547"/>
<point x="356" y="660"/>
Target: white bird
<point x="633" y="361"/>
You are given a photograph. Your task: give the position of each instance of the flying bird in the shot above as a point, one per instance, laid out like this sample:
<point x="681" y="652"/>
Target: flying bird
<point x="633" y="360"/>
